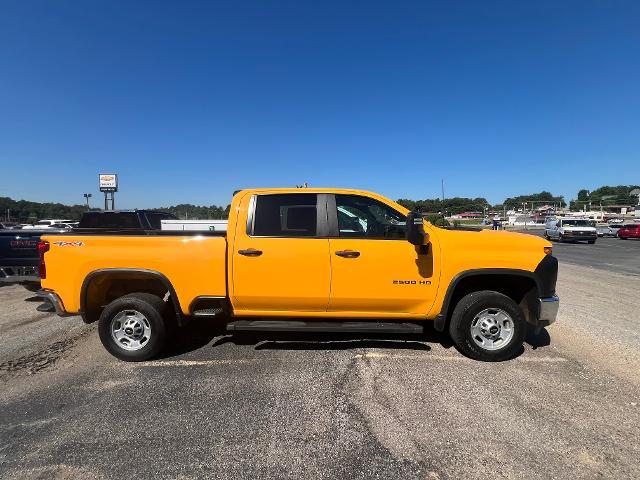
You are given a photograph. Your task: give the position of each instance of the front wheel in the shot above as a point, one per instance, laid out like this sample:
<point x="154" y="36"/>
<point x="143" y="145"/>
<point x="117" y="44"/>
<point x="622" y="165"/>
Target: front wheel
<point x="132" y="327"/>
<point x="488" y="326"/>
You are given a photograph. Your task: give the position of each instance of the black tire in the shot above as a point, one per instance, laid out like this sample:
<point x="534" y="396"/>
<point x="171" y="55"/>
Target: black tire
<point x="32" y="286"/>
<point x="546" y="235"/>
<point x="153" y="308"/>
<point x="560" y="239"/>
<point x="464" y="314"/>
<point x="591" y="242"/>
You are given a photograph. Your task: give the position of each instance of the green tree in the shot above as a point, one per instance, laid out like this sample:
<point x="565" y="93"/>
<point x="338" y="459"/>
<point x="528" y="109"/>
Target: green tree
<point x="583" y="195"/>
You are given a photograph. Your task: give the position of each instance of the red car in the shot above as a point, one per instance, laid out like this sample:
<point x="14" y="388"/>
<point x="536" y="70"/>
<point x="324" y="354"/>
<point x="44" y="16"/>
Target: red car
<point x="629" y="231"/>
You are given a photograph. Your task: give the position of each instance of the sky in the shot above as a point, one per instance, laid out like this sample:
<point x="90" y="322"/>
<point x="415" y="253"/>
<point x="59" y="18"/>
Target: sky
<point x="189" y="101"/>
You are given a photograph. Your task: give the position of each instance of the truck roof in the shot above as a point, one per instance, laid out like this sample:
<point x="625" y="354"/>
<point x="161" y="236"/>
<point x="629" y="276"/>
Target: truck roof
<point x="337" y="191"/>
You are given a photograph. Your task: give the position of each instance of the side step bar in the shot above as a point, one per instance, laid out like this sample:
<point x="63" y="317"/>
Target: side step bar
<point x="345" y="327"/>
<point x="208" y="312"/>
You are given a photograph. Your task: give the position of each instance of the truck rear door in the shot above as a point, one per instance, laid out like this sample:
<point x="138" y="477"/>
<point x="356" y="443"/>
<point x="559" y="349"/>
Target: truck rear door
<point x="280" y="261"/>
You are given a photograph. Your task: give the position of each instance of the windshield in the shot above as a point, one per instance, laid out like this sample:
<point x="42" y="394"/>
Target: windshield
<point x="576" y="223"/>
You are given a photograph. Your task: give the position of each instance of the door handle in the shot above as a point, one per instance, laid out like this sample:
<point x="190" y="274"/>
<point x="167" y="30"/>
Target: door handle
<point x="250" y="252"/>
<point x="348" y="253"/>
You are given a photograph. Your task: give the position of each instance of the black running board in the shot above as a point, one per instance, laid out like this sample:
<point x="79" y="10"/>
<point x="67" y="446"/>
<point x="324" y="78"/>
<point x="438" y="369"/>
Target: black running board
<point x="301" y="326"/>
<point x="208" y="312"/>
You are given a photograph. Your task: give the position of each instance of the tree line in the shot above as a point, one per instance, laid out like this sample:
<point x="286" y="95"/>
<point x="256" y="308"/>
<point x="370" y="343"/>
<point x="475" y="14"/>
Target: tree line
<point x="618" y="195"/>
<point x="23" y="211"/>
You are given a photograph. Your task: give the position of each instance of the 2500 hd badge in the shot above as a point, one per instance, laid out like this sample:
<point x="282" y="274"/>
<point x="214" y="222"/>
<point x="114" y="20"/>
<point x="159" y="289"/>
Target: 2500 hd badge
<point x="411" y="282"/>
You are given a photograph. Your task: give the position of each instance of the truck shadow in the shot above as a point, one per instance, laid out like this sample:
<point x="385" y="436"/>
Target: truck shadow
<point x="201" y="333"/>
<point x="204" y="333"/>
<point x="324" y="341"/>
<point x="539" y="339"/>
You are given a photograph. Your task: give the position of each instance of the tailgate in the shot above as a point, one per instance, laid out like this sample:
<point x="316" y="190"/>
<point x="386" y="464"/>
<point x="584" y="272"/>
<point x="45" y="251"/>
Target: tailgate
<point x="19" y="248"/>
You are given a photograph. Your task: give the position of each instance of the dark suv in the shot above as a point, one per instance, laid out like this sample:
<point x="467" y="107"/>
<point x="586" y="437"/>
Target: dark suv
<point x="127" y="220"/>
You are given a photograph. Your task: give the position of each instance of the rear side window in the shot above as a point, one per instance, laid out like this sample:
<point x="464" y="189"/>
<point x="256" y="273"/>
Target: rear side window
<point x="286" y="215"/>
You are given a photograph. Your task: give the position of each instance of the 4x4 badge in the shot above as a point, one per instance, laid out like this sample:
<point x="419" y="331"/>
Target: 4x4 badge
<point x="69" y="244"/>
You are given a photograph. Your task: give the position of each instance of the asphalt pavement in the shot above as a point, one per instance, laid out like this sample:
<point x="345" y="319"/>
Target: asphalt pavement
<point x="332" y="406"/>
<point x="608" y="253"/>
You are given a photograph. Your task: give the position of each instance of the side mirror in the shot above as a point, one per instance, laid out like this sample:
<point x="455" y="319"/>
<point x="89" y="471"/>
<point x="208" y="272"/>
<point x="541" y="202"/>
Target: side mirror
<point x="415" y="229"/>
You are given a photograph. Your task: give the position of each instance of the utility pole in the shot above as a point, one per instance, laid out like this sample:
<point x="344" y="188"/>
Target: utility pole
<point x="442" y="185"/>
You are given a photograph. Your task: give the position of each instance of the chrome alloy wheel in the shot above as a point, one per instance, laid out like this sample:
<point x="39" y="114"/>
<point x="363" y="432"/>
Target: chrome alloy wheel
<point x="492" y="329"/>
<point x="130" y="330"/>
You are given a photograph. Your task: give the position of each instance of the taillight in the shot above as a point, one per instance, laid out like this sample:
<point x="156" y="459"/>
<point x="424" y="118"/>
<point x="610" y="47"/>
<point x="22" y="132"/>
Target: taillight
<point x="43" y="247"/>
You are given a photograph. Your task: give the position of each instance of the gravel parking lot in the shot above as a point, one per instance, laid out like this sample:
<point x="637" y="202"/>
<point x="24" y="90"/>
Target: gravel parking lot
<point x="328" y="406"/>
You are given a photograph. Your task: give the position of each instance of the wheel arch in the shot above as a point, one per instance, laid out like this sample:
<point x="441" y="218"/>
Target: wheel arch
<point x="121" y="281"/>
<point x="522" y="286"/>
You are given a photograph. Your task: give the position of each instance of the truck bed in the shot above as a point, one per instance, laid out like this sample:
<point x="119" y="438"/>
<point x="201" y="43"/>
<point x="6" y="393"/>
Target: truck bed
<point x="196" y="267"/>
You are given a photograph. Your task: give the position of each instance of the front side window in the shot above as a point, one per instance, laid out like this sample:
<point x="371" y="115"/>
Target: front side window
<point x="362" y="217"/>
<point x="286" y="215"/>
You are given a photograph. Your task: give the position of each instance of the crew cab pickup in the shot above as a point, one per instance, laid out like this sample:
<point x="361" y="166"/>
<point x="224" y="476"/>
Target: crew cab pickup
<point x="307" y="259"/>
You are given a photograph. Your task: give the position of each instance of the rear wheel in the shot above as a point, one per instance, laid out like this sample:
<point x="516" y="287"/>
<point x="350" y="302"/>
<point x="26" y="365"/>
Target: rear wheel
<point x="133" y="328"/>
<point x="488" y="326"/>
<point x="591" y="242"/>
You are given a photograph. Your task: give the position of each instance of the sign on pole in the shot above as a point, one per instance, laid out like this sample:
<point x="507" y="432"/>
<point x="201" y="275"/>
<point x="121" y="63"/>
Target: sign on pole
<point x="108" y="182"/>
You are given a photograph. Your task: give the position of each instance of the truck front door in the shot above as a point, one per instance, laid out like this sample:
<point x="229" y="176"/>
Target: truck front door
<point x="280" y="263"/>
<point x="374" y="269"/>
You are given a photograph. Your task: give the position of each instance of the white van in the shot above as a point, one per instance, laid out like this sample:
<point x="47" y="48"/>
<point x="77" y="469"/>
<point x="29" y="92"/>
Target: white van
<point x="570" y="230"/>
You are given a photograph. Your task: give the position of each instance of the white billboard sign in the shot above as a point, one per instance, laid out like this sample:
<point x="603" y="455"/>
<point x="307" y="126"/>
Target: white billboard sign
<point x="108" y="182"/>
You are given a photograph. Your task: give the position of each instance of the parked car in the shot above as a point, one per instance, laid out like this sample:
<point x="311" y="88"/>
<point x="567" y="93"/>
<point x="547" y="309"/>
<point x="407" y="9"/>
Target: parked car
<point x="630" y="230"/>
<point x="354" y="259"/>
<point x="47" y="223"/>
<point x="608" y="230"/>
<point x="8" y="226"/>
<point x="615" y="227"/>
<point x="570" y="230"/>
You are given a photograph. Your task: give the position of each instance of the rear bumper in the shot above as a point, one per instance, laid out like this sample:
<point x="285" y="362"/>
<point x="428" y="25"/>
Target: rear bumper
<point x="54" y="299"/>
<point x="19" y="274"/>
<point x="547" y="310"/>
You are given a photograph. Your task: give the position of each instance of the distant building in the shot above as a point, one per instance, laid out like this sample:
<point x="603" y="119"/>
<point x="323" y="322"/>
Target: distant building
<point x="465" y="215"/>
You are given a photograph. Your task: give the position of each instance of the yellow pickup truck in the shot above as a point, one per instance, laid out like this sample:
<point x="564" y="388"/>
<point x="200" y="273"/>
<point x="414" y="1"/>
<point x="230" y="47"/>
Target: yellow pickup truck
<point x="305" y="259"/>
